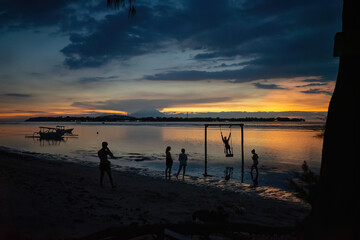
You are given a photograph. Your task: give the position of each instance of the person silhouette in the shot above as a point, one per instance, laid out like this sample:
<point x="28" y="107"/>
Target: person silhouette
<point x="105" y="163"/>
<point x="183" y="161"/>
<point x="169" y="162"/>
<point x="255" y="159"/>
<point x="226" y="142"/>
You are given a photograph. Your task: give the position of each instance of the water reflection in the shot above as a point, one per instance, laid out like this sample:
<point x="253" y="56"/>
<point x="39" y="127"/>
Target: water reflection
<point x="279" y="146"/>
<point x="281" y="150"/>
<point x="49" y="142"/>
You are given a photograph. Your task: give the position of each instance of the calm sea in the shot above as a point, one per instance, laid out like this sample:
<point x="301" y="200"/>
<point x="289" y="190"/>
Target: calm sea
<point x="282" y="147"/>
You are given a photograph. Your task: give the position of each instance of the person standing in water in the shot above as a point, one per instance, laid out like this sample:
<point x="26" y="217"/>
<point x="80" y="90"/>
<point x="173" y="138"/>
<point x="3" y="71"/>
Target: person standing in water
<point x="105" y="163"/>
<point x="255" y="159"/>
<point x="183" y="161"/>
<point x="169" y="162"/>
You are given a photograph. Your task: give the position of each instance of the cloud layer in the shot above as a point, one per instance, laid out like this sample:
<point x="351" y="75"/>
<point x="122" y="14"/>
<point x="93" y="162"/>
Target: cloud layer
<point x="248" y="46"/>
<point x="136" y="105"/>
<point x="288" y="38"/>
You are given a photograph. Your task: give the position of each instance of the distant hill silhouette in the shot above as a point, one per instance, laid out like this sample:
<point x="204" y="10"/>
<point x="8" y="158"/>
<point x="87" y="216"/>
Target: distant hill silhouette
<point x="123" y="118"/>
<point x="107" y="118"/>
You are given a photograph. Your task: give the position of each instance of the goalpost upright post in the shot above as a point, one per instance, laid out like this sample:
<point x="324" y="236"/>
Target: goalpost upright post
<point x="206" y="126"/>
<point x="242" y="152"/>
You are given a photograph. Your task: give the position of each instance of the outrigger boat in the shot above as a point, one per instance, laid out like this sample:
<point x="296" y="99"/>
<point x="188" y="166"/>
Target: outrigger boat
<point x="53" y="133"/>
<point x="48" y="133"/>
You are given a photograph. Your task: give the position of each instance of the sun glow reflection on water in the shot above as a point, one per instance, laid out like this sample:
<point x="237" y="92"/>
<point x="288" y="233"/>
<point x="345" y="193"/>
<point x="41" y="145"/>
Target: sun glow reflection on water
<point x="141" y="147"/>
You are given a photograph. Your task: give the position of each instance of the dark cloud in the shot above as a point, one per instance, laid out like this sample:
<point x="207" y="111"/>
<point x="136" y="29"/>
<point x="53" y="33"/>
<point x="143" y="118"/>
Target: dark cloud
<point x="205" y="56"/>
<point x="92" y="80"/>
<point x="27" y="111"/>
<point x="282" y="34"/>
<point x="115" y="37"/>
<point x="286" y="41"/>
<point x="250" y="72"/>
<point x="197" y="76"/>
<point x="288" y="38"/>
<point x="67" y="16"/>
<point x="315" y="80"/>
<point x="17" y="14"/>
<point x="317" y="91"/>
<point x="147" y="113"/>
<point x="312" y="85"/>
<point x="17" y="95"/>
<point x="20" y="111"/>
<point x="137" y="105"/>
<point x="267" y="86"/>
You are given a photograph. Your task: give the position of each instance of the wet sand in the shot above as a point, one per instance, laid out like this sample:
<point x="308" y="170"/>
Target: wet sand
<point x="43" y="199"/>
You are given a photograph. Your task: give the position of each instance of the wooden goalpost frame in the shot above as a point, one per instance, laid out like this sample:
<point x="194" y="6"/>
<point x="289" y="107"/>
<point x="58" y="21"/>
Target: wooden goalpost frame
<point x="241" y="125"/>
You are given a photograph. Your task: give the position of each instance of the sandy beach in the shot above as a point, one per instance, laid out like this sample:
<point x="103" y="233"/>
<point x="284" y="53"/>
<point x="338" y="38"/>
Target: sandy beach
<point x="42" y="199"/>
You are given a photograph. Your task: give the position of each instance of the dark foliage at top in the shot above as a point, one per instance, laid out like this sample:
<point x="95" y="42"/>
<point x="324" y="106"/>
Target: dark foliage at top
<point x="116" y="3"/>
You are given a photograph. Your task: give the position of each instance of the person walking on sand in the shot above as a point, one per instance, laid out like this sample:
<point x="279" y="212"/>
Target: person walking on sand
<point x="169" y="162"/>
<point x="105" y="163"/>
<point x="183" y="160"/>
<point x="255" y="159"/>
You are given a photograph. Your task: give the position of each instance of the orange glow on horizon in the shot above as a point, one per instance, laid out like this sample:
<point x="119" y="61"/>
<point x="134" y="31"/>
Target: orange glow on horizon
<point x="288" y="99"/>
<point x="238" y="107"/>
<point x="234" y="107"/>
<point x="16" y="115"/>
<point x="291" y="97"/>
<point x="24" y="115"/>
<point x="108" y="111"/>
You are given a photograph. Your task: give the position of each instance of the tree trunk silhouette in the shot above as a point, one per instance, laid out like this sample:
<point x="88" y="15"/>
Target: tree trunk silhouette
<point x="333" y="215"/>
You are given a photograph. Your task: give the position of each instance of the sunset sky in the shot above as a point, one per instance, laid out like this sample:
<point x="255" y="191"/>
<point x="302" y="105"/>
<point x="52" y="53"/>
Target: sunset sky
<point x="215" y="57"/>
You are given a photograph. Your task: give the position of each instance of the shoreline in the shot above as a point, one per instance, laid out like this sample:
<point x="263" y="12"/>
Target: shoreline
<point x="266" y="189"/>
<point x="45" y="199"/>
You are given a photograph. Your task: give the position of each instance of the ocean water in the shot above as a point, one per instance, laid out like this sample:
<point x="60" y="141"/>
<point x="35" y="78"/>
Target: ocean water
<point x="140" y="147"/>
